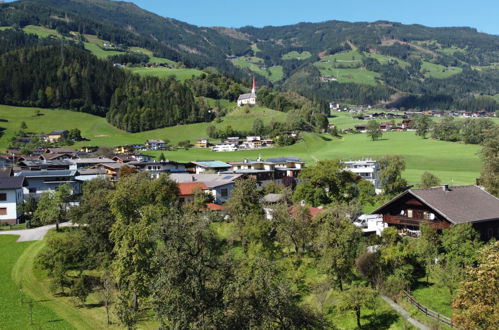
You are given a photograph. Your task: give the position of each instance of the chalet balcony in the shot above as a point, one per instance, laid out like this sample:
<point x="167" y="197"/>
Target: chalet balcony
<point x="401" y="220"/>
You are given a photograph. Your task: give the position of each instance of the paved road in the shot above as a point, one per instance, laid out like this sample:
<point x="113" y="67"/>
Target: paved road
<point x="35" y="234"/>
<point x="404" y="314"/>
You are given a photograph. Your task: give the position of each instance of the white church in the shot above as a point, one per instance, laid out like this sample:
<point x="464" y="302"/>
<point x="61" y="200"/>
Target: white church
<point x="249" y="98"/>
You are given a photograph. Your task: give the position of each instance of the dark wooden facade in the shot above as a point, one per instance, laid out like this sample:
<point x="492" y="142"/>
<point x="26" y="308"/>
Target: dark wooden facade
<point x="408" y="212"/>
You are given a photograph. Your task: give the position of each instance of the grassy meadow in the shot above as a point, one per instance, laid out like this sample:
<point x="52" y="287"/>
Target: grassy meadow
<point x="294" y="55"/>
<point x="255" y="64"/>
<point x="439" y="71"/>
<point x="14" y="307"/>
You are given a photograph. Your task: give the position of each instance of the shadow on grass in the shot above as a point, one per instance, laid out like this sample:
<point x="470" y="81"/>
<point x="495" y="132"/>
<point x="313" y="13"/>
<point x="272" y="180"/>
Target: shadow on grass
<point x="421" y="284"/>
<point x="56" y="320"/>
<point x="383" y="320"/>
<point x="93" y="305"/>
<point x="325" y="138"/>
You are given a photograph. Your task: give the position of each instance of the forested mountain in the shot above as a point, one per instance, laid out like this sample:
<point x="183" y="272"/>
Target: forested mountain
<point x="410" y="66"/>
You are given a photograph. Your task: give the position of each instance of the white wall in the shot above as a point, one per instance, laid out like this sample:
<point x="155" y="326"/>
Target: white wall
<point x="13" y="198"/>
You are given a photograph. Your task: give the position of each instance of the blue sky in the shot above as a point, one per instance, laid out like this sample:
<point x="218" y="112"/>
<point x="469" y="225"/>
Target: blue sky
<point x="480" y="14"/>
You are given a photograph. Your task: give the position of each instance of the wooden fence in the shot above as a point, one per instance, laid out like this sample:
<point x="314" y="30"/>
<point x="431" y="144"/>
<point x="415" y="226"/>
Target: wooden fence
<point x="428" y="312"/>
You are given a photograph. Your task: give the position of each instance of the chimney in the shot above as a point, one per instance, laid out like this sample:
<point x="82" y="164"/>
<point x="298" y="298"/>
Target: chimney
<point x="445" y="187"/>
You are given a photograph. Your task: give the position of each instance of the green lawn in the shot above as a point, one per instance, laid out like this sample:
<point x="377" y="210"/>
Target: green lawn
<point x="179" y="74"/>
<point x="294" y="55"/>
<point x="13" y="313"/>
<point x="439" y="71"/>
<point x="2" y="28"/>
<point x="436" y="298"/>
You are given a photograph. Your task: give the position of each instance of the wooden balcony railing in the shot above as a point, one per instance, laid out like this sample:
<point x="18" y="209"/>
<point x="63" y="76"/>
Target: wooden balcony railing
<point x="406" y="221"/>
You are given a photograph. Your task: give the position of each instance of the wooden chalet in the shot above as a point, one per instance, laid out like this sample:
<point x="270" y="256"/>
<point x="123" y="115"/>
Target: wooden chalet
<point x="443" y="207"/>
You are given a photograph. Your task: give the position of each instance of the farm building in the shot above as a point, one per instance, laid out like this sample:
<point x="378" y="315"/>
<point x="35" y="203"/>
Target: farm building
<point x="443" y="207"/>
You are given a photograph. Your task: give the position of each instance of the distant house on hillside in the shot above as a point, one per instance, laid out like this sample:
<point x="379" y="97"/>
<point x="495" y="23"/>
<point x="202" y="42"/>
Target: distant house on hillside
<point x="155" y="144"/>
<point x="249" y="98"/>
<point x="443" y="207"/>
<point x="54" y="136"/>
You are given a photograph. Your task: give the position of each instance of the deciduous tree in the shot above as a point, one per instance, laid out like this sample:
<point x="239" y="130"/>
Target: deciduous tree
<point x="374" y="130"/>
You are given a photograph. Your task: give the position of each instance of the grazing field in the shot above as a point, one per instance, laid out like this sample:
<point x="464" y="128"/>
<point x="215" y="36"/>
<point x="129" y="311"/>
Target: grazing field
<point x="152" y="58"/>
<point x="14" y="306"/>
<point x="40" y="31"/>
<point x="387" y="59"/>
<point x="256" y="64"/>
<point x="439" y="71"/>
<point x="294" y="55"/>
<point x="358" y="76"/>
<point x="101" y="133"/>
<point x="454" y="163"/>
<point x="436" y="298"/>
<point x="179" y="74"/>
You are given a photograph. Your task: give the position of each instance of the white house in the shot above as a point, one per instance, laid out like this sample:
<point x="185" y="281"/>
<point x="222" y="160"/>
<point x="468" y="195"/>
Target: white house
<point x="367" y="169"/>
<point x="155" y="144"/>
<point x="224" y="147"/>
<point x="11" y="196"/>
<point x="249" y="98"/>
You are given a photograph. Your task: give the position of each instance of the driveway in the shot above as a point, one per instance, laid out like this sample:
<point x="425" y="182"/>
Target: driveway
<point x="34" y="234"/>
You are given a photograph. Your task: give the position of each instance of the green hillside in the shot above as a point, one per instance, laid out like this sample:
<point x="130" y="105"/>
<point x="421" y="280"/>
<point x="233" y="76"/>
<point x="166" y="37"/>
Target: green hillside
<point x="294" y="55"/>
<point x="160" y="72"/>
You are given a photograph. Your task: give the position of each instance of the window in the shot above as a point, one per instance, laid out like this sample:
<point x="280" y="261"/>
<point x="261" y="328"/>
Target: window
<point x="224" y="192"/>
<point x="3" y="197"/>
<point x="32" y="190"/>
<point x="409" y="213"/>
<point x="3" y="211"/>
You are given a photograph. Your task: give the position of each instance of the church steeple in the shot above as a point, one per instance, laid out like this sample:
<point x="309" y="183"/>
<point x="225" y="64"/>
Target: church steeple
<point x="253" y="88"/>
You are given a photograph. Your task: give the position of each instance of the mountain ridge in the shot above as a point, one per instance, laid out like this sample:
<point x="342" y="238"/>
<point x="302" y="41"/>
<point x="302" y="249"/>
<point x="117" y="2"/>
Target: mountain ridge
<point x="417" y="59"/>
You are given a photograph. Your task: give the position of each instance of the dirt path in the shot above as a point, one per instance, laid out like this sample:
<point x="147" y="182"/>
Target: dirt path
<point x="35" y="234"/>
<point x="402" y="312"/>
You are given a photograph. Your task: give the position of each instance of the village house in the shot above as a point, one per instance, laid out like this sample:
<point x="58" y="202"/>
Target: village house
<point x="38" y="182"/>
<point x="202" y="143"/>
<point x="220" y="186"/>
<point x="89" y="149"/>
<point x="54" y="136"/>
<point x="249" y="98"/>
<point x="89" y="162"/>
<point x="187" y="190"/>
<point x="224" y="147"/>
<point x="443" y="207"/>
<point x="291" y="166"/>
<point x="155" y="144"/>
<point x="124" y="149"/>
<point x="37" y="164"/>
<point x="215" y="166"/>
<point x="367" y="169"/>
<point x="11" y="198"/>
<point x="112" y="169"/>
<point x="156" y="168"/>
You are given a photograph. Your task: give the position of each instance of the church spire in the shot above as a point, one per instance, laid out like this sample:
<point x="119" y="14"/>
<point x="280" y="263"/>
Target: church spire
<point x="253" y="88"/>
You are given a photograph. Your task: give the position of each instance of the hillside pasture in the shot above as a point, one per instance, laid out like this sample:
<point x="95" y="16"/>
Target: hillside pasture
<point x="439" y="71"/>
<point x="294" y="55"/>
<point x="152" y="58"/>
<point x="256" y="64"/>
<point x="40" y="31"/>
<point x="383" y="59"/>
<point x="357" y="76"/>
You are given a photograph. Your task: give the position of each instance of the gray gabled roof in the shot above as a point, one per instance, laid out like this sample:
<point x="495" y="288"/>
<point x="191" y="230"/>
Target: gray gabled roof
<point x="46" y="173"/>
<point x="11" y="182"/>
<point x="246" y="96"/>
<point x="458" y="204"/>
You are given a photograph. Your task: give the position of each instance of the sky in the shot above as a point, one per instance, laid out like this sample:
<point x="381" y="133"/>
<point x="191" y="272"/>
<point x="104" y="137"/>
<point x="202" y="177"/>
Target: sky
<point x="480" y="14"/>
